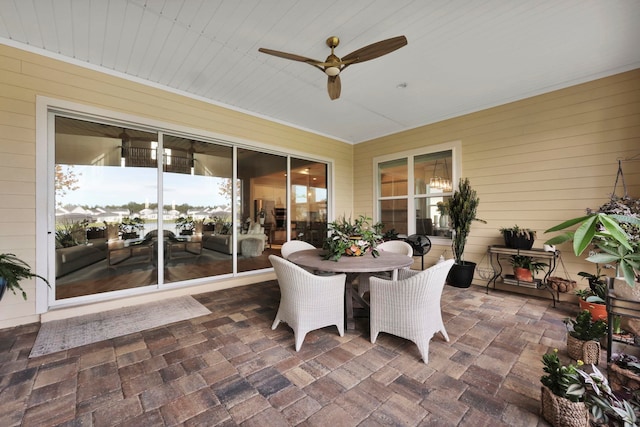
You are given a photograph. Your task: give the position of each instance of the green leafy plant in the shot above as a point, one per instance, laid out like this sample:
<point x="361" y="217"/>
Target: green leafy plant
<point x="185" y="224"/>
<point x="562" y="380"/>
<point x="524" y="261"/>
<point x="584" y="328"/>
<point x="355" y="238"/>
<point x="605" y="406"/>
<point x="605" y="231"/>
<point x="597" y="292"/>
<point x="463" y="207"/>
<point x="13" y="270"/>
<point x="520" y="232"/>
<point x="130" y="225"/>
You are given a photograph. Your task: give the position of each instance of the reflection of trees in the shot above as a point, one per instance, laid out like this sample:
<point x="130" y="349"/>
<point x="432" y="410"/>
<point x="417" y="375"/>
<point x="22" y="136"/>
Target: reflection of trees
<point x="65" y="180"/>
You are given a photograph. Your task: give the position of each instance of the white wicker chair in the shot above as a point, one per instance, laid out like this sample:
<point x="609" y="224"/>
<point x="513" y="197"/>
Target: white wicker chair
<point x="410" y="307"/>
<point x="308" y="302"/>
<point x="397" y="246"/>
<point x="294" y="246"/>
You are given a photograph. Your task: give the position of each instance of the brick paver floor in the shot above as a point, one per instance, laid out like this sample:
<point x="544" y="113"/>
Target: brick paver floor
<point x="229" y="368"/>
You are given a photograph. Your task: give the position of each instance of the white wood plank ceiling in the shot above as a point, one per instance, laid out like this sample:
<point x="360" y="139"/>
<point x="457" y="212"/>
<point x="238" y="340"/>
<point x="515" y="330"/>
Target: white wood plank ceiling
<point x="462" y="55"/>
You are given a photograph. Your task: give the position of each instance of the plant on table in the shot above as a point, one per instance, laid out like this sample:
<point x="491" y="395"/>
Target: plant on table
<point x="352" y="238"/>
<point x="129" y="227"/>
<point x="525" y="267"/>
<point x="518" y="238"/>
<point x="12" y="271"/>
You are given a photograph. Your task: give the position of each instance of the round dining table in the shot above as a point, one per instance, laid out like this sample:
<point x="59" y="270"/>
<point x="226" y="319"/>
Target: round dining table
<point x="353" y="266"/>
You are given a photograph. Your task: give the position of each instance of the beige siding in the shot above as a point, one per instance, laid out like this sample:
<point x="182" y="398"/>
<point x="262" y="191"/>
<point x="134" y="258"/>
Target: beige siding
<point x="534" y="162"/>
<point x="23" y="76"/>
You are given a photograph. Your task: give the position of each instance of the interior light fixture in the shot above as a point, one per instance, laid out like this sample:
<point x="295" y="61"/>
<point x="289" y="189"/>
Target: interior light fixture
<point x="438" y="183"/>
<point x="332" y="71"/>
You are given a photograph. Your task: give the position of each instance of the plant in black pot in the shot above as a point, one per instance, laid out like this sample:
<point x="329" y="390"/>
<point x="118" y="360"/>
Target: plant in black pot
<point x="12" y="271"/>
<point x="463" y="207"/>
<point x="518" y="238"/>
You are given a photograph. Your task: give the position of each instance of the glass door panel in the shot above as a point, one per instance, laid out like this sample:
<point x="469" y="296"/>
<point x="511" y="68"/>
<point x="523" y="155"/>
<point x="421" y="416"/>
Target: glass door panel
<point x="262" y="213"/>
<point x="105" y="177"/>
<point x="309" y="201"/>
<point x="197" y="216"/>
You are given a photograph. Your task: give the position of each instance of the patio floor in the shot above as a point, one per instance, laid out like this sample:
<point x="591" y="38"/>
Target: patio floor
<point x="230" y="368"/>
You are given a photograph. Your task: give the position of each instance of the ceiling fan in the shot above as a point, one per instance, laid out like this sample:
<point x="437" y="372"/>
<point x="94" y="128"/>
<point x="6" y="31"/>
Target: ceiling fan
<point x="333" y="65"/>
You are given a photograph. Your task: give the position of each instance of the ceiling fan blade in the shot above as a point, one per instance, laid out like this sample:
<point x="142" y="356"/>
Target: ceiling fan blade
<point x="334" y="87"/>
<point x="292" y="57"/>
<point x="375" y="50"/>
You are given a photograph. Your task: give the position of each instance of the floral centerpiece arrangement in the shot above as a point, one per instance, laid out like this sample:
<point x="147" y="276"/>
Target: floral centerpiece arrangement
<point x="352" y="238"/>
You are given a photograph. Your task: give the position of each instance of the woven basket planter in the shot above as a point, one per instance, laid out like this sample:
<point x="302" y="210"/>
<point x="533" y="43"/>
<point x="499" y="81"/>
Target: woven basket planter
<point x="621" y="379"/>
<point x="561" y="412"/>
<point x="587" y="351"/>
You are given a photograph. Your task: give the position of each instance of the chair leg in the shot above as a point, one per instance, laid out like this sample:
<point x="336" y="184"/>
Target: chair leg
<point x="299" y="337"/>
<point x="423" y="347"/>
<point x="374" y="336"/>
<point x="444" y="334"/>
<point x="340" y="327"/>
<point x="276" y="322"/>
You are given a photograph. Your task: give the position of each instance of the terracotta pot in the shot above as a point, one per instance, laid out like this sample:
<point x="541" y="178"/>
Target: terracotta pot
<point x="523" y="274"/>
<point x="598" y="311"/>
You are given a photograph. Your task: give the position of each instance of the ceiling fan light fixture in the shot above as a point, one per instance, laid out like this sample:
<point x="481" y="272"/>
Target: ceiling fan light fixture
<point x="332" y="71"/>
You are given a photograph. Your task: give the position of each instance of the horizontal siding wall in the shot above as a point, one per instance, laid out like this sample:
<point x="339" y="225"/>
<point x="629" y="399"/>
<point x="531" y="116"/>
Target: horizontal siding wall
<point x="535" y="162"/>
<point x="24" y="75"/>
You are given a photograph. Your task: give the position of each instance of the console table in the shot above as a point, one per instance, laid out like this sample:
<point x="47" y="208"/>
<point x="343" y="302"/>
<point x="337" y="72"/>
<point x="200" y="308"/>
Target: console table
<point x="500" y="253"/>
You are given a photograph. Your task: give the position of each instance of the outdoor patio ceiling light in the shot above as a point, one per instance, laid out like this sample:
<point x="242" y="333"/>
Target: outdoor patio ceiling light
<point x="332" y="71"/>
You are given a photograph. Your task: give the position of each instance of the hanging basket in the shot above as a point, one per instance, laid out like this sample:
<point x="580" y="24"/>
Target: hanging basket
<point x="587" y="351"/>
<point x="561" y="412"/>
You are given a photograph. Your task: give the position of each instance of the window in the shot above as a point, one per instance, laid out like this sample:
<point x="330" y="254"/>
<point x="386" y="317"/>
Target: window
<point x="413" y="190"/>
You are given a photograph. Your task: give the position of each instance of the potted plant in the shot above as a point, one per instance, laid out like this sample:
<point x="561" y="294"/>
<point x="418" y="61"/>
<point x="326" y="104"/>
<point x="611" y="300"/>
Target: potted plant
<point x="562" y="397"/>
<point x="583" y="337"/>
<point x="463" y="207"/>
<point x="12" y="271"/>
<point x="185" y="224"/>
<point x="518" y="238"/>
<point x="616" y="237"/>
<point x="525" y="267"/>
<point x="129" y="227"/>
<point x="624" y="374"/>
<point x="262" y="215"/>
<point x="594" y="297"/>
<point x="607" y="407"/>
<point x="352" y="239"/>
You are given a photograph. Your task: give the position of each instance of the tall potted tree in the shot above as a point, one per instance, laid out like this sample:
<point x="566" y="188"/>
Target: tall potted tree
<point x="463" y="207"/>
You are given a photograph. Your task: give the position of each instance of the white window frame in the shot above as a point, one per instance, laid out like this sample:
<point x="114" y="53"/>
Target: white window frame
<point x="456" y="172"/>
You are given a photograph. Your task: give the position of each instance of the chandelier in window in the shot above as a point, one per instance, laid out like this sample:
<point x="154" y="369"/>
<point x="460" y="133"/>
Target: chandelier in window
<point x="439" y="183"/>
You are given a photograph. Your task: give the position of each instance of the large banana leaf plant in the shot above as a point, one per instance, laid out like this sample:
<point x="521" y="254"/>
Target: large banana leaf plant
<point x="603" y="230"/>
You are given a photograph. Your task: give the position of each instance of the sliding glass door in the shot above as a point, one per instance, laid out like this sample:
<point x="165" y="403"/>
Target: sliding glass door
<point x="197" y="214"/>
<point x="139" y="208"/>
<point x="105" y="183"/>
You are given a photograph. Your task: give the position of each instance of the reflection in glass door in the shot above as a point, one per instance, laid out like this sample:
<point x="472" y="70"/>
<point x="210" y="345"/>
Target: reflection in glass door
<point x="309" y="200"/>
<point x="197" y="219"/>
<point x="105" y="194"/>
<point x="262" y="211"/>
